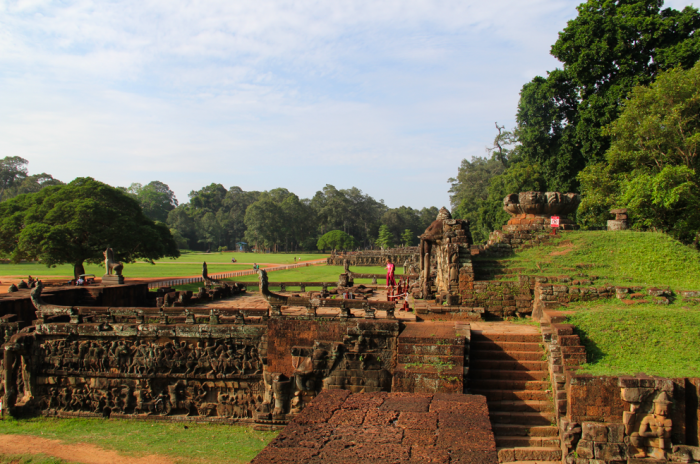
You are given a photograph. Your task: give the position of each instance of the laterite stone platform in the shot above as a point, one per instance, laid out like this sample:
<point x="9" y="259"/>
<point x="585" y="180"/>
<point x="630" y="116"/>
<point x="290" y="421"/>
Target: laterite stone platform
<point x="343" y="428"/>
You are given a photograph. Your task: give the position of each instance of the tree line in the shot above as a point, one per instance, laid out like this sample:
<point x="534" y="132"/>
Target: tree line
<point x="278" y="220"/>
<point x="618" y="123"/>
<point x="217" y="218"/>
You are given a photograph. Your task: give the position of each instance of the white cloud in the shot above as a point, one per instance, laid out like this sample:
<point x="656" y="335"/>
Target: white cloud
<point x="388" y="96"/>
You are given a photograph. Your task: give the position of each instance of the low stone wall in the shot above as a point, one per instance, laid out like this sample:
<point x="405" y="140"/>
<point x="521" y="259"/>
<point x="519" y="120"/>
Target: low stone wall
<point x="398" y="256"/>
<point x="500" y="298"/>
<point x="129" y="294"/>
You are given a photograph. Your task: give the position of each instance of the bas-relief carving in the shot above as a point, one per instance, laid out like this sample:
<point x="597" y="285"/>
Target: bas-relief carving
<point x="213" y="378"/>
<point x="358" y="363"/>
<point x="542" y="203"/>
<point x="652" y="431"/>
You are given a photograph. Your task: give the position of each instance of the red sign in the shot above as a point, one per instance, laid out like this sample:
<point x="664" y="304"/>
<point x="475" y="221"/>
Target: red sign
<point x="554" y="221"/>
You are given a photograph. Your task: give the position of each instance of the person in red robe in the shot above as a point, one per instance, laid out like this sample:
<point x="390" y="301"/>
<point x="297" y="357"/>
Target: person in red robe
<point x="390" y="281"/>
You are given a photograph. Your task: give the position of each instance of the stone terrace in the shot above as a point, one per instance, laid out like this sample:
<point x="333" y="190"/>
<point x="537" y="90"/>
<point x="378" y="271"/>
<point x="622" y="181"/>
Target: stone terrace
<point x="342" y="428"/>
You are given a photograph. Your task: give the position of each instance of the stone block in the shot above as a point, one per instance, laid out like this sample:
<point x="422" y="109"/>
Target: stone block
<point x="595" y="432"/>
<point x="584" y="449"/>
<point x="616" y="433"/>
<point x="610" y="451"/>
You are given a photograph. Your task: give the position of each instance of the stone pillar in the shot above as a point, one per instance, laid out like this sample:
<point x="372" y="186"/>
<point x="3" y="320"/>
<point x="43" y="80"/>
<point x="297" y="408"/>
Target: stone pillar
<point x="620" y="221"/>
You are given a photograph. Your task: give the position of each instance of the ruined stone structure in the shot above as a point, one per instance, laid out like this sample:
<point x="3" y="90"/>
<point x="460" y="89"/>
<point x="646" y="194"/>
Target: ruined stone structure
<point x="620" y="221"/>
<point x="354" y="382"/>
<point x="445" y="260"/>
<point x="402" y="256"/>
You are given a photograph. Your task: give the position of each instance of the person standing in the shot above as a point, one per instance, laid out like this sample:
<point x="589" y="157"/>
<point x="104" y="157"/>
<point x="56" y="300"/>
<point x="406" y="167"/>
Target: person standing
<point x="390" y="281"/>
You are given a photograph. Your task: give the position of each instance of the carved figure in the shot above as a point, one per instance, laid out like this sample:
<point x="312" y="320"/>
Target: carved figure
<point x="654" y="431"/>
<point x="112" y="266"/>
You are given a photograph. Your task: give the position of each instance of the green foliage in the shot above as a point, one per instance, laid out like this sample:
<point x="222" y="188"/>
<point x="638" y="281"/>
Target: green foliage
<point x="336" y="240"/>
<point x="398" y="220"/>
<point x="14" y="179"/>
<point x="610" y="47"/>
<point x="652" y="164"/>
<point x="76" y="222"/>
<point x="644" y="338"/>
<point x="407" y="238"/>
<point x="386" y="238"/>
<point x="469" y="192"/>
<point x="156" y="199"/>
<point x="219" y="444"/>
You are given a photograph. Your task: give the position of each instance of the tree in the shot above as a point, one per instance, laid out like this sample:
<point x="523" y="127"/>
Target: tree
<point x="13" y="170"/>
<point x="264" y="222"/>
<point x="336" y="240"/>
<point x="34" y="183"/>
<point x="75" y="223"/>
<point x="652" y="166"/>
<point x="156" y="199"/>
<point x="407" y="237"/>
<point x="386" y="238"/>
<point x="610" y="47"/>
<point x="470" y="190"/>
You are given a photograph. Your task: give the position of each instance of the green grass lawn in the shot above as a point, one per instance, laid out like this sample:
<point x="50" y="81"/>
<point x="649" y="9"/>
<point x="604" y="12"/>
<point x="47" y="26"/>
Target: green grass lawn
<point x="623" y="257"/>
<point x="647" y="338"/>
<point x="189" y="264"/>
<point x="308" y="274"/>
<point x="198" y="443"/>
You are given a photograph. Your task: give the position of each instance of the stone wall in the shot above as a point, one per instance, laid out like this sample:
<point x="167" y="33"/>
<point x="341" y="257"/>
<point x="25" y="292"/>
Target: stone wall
<point x="398" y="256"/>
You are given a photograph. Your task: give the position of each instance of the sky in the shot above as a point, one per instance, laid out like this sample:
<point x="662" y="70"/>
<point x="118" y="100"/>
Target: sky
<point x="387" y="96"/>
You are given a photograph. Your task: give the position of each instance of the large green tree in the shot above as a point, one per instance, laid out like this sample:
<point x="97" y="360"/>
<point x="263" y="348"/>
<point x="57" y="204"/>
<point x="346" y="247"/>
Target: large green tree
<point x="652" y="167"/>
<point x="156" y="199"/>
<point x="610" y="47"/>
<point x="75" y="223"/>
<point x="13" y="170"/>
<point x="336" y="240"/>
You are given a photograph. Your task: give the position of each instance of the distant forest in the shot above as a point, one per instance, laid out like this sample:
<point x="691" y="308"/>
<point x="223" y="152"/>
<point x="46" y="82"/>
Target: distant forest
<point x="215" y="217"/>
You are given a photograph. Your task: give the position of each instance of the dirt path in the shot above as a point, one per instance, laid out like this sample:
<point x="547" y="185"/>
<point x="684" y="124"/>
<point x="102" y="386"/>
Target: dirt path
<point x="82" y="453"/>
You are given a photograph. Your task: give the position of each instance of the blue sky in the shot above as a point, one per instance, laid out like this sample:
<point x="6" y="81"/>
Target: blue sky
<point x="386" y="96"/>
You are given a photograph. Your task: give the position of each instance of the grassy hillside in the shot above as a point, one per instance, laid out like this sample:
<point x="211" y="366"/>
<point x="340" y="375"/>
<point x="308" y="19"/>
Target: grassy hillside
<point x="620" y="258"/>
<point x="622" y="339"/>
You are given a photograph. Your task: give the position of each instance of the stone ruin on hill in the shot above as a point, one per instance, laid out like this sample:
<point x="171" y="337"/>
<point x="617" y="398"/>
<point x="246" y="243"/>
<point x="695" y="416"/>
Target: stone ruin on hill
<point x="354" y="381"/>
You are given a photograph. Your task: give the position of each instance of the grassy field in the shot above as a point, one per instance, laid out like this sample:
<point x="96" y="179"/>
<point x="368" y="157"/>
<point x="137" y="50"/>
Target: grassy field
<point x="624" y="257"/>
<point x="308" y="274"/>
<point x="198" y="443"/>
<point x="622" y="339"/>
<point x="31" y="459"/>
<point x="189" y="264"/>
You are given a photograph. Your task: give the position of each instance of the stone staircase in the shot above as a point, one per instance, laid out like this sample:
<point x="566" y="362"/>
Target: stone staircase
<point x="511" y="371"/>
<point x="431" y="358"/>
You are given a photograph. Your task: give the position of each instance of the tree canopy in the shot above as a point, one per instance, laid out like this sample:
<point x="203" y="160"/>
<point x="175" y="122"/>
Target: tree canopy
<point x="611" y="47"/>
<point x="652" y="166"/>
<point x="75" y="223"/>
<point x="336" y="240"/>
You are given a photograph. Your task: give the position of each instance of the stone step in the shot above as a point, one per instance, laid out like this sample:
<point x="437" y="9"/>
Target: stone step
<point x="532" y="462"/>
<point x="508" y="365"/>
<point x="522" y="406"/>
<point x="431" y="370"/>
<point x="485" y="374"/>
<point x="507" y="384"/>
<point x="509" y="355"/>
<point x="479" y="336"/>
<point x="430" y="340"/>
<point x="507" y="395"/>
<point x="489" y="345"/>
<point x="522" y="418"/>
<point x="431" y="350"/>
<point x="529" y="454"/>
<point x="522" y="442"/>
<point x="525" y="430"/>
<point x="431" y="360"/>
